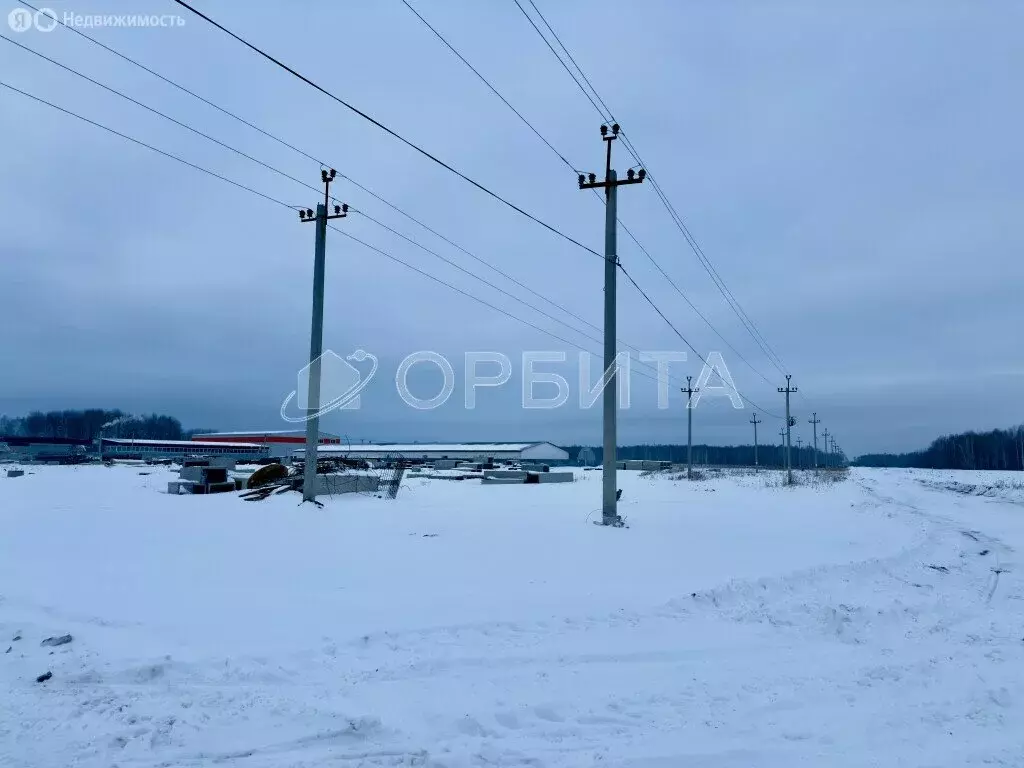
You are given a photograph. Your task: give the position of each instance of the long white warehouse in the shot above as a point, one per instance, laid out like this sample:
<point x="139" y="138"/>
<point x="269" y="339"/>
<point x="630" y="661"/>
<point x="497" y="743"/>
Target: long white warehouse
<point x="547" y="452"/>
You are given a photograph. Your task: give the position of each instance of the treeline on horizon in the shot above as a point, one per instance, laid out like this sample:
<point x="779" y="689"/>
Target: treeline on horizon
<point x="997" y="449"/>
<point x="92" y="423"/>
<point x="725" y="455"/>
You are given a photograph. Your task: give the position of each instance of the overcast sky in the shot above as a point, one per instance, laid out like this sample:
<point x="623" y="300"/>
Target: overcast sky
<point x="854" y="171"/>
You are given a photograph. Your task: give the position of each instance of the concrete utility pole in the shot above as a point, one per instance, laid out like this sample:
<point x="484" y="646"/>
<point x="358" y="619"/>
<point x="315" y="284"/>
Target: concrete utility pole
<point x="689" y="427"/>
<point x="825" y="457"/>
<point x="814" y="421"/>
<point x="799" y="455"/>
<point x="755" y="421"/>
<point x="316" y="333"/>
<point x="609" y="505"/>
<point x="790" y="421"/>
<point x="782" y="447"/>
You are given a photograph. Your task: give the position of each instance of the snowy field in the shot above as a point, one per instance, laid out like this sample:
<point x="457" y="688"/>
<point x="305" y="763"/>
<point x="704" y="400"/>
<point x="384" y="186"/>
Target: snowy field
<point x="734" y="624"/>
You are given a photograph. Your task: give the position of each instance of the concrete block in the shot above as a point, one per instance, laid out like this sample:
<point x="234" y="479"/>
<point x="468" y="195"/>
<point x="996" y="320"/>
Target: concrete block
<point x="488" y="480"/>
<point x="215" y="475"/>
<point x="445" y="464"/>
<point x="519" y="473"/>
<point x="15" y="472"/>
<point x="620" y="465"/>
<point x="554" y="477"/>
<point x="634" y="464"/>
<point x="192" y="474"/>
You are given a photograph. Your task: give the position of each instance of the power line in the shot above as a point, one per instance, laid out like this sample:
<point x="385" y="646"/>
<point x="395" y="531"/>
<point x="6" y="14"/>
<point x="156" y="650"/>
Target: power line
<point x="691" y="241"/>
<point x="364" y="214"/>
<point x="180" y="87"/>
<point x="713" y="273"/>
<point x="292" y="208"/>
<point x="305" y="154"/>
<point x="385" y="128"/>
<point x="510" y="295"/>
<point x="573" y="168"/>
<point x="683" y="338"/>
<point x="469" y="295"/>
<point x="559" y="59"/>
<point x="480" y="279"/>
<point x="280" y="141"/>
<point x="692" y="305"/>
<point x="487" y="83"/>
<point x="607" y="111"/>
<point x="567" y="163"/>
<point x="162" y="114"/>
<point x="148" y="146"/>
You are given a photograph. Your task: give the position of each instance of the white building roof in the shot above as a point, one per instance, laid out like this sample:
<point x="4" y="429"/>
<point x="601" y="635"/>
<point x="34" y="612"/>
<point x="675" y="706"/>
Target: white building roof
<point x="183" y="443"/>
<point x="419" y="448"/>
<point x="264" y="433"/>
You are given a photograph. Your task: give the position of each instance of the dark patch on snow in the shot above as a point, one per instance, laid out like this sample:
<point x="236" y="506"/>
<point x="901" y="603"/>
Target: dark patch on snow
<point x="55" y="641"/>
<point x="939" y="568"/>
<point x="44" y="678"/>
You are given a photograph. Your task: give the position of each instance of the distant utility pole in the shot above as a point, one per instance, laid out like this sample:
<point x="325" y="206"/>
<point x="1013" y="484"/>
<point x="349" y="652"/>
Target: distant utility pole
<point x="755" y="421"/>
<point x="790" y="421"/>
<point x="689" y="427"/>
<point x="316" y="333"/>
<point x="609" y="507"/>
<point x="814" y="421"/>
<point x="825" y="457"/>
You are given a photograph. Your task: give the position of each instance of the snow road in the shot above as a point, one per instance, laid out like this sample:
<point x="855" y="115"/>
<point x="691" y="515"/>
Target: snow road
<point x="879" y="621"/>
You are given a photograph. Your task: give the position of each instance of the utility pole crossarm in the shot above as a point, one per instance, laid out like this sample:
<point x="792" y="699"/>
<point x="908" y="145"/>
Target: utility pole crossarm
<point x="589" y="181"/>
<point x="340" y="211"/>
<point x="631" y="178"/>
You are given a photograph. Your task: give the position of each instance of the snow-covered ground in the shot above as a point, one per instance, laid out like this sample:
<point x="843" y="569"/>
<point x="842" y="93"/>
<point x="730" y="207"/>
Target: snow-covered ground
<point x="734" y="624"/>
